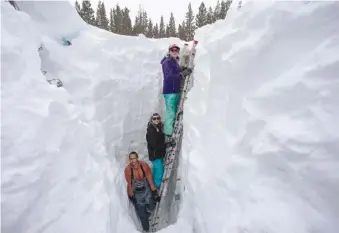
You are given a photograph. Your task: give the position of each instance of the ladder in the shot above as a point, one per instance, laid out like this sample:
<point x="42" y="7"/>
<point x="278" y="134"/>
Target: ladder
<point x="158" y="220"/>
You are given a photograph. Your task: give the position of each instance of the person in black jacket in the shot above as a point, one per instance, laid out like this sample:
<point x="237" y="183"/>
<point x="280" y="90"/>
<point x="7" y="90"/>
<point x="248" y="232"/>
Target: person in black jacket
<point x="156" y="147"/>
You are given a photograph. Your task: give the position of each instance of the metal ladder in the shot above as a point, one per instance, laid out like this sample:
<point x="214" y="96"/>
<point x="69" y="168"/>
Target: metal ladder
<point x="159" y="220"/>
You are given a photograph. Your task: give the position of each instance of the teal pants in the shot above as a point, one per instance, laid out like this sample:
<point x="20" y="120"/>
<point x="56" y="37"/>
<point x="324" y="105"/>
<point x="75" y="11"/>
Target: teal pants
<point x="171" y="102"/>
<point x="158" y="172"/>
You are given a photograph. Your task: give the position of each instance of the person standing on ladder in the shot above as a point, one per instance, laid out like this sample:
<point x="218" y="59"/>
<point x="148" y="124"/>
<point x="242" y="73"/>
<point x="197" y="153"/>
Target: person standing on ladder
<point x="140" y="188"/>
<point x="173" y="74"/>
<point x="156" y="147"/>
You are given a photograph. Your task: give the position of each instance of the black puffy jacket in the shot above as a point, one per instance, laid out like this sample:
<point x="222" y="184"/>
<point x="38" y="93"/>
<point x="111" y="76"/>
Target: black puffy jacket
<point x="155" y="142"/>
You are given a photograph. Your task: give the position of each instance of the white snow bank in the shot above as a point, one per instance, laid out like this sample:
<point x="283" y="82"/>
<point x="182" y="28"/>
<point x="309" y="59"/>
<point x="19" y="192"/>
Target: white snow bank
<point x="261" y="124"/>
<point x="64" y="149"/>
<point x="58" y="19"/>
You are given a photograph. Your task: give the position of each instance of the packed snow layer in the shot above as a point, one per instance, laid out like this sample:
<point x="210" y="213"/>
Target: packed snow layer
<point x="64" y="149"/>
<point x="261" y="138"/>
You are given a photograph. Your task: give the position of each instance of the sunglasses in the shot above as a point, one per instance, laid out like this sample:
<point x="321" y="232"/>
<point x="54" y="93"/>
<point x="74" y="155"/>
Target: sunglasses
<point x="155" y="118"/>
<point x="174" y="50"/>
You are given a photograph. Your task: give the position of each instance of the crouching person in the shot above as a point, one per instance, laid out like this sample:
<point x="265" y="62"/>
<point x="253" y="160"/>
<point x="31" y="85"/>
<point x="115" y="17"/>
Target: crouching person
<point x="141" y="189"/>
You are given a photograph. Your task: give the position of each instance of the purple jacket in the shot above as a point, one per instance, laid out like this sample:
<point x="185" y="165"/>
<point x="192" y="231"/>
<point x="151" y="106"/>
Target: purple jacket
<point x="172" y="76"/>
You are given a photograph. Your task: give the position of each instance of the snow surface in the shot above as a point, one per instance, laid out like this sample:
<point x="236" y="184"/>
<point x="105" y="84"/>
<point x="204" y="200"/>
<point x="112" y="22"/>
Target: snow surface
<point x="64" y="149"/>
<point x="260" y="140"/>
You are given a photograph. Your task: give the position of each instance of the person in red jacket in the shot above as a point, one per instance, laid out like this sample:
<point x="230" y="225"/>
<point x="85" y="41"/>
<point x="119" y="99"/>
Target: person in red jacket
<point x="140" y="188"/>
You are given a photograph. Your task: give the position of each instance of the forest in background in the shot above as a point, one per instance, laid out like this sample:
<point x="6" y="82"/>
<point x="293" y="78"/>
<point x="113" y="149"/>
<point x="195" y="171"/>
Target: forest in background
<point x="119" y="21"/>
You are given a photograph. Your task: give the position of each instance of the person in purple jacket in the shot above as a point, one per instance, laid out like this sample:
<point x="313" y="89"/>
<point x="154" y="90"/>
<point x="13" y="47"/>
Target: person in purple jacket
<point x="173" y="74"/>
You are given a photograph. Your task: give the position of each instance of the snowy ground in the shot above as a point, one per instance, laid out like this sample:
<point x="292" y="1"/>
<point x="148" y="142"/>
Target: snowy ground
<point x="261" y="139"/>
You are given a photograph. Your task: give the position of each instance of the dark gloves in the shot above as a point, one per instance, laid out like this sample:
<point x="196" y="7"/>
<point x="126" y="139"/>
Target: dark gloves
<point x="132" y="199"/>
<point x="155" y="196"/>
<point x="182" y="68"/>
<point x="186" y="72"/>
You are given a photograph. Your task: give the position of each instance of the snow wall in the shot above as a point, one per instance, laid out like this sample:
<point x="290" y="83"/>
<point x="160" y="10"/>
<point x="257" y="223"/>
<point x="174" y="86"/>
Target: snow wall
<point x="260" y="143"/>
<point x="64" y="149"/>
<point x="261" y="138"/>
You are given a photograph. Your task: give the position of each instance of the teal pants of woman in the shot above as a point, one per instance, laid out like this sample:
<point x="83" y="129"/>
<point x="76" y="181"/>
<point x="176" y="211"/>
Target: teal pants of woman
<point x="158" y="172"/>
<point x="171" y="102"/>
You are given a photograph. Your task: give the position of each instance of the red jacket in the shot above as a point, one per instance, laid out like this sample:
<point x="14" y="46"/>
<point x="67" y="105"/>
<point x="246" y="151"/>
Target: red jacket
<point x="138" y="175"/>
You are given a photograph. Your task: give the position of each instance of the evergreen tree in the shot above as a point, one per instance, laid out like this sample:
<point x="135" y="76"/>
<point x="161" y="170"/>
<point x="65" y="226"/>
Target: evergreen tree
<point x="139" y="26"/>
<point x="162" y="32"/>
<point x="118" y="20"/>
<point x="222" y="10"/>
<point x="144" y="22"/>
<point x="98" y="16"/>
<point x="217" y="10"/>
<point x="209" y="16"/>
<point x="225" y="6"/>
<point x="181" y="31"/>
<point x="228" y="5"/>
<point x="210" y="10"/>
<point x="126" y="22"/>
<point x="156" y="31"/>
<point x="167" y="32"/>
<point x="201" y="18"/>
<point x="112" y="26"/>
<point x="136" y="26"/>
<point x="87" y="12"/>
<point x="150" y="29"/>
<point x="190" y="26"/>
<point x="104" y="17"/>
<point x="171" y="27"/>
<point x="101" y="20"/>
<point x="78" y="7"/>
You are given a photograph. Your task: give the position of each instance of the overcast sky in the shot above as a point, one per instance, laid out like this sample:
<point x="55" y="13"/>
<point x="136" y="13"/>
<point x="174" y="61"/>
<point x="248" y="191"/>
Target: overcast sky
<point x="156" y="8"/>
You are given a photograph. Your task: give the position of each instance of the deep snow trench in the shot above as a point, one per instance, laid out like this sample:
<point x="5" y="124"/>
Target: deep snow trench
<point x="261" y="140"/>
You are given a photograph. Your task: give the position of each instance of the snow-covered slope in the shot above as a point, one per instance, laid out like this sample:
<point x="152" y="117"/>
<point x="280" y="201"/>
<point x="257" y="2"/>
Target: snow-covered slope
<point x="260" y="143"/>
<point x="64" y="149"/>
<point x="261" y="139"/>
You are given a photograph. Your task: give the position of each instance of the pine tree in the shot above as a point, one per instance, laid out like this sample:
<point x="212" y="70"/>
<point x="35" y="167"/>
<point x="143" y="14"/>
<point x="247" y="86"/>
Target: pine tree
<point x="201" y="18"/>
<point x="156" y="31"/>
<point x="162" y="32"/>
<point x="126" y="22"/>
<point x="139" y="23"/>
<point x="223" y="10"/>
<point x="136" y="27"/>
<point x="228" y="5"/>
<point x="87" y="12"/>
<point x="144" y="22"/>
<point x="181" y="31"/>
<point x="112" y="26"/>
<point x="118" y="20"/>
<point x="101" y="20"/>
<point x="209" y="16"/>
<point x="98" y="16"/>
<point x="78" y="7"/>
<point x="167" y="32"/>
<point x="171" y="27"/>
<point x="190" y="26"/>
<point x="217" y="10"/>
<point x="105" y="21"/>
<point x="150" y="29"/>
